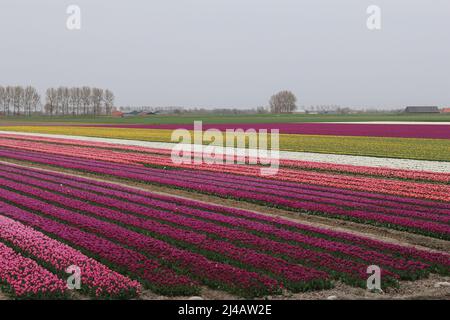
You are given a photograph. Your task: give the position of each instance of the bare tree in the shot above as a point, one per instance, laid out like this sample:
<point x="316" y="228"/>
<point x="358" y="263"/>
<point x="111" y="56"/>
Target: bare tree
<point x="3" y="99"/>
<point x="72" y="101"/>
<point x="109" y="101"/>
<point x="35" y="101"/>
<point x="18" y="99"/>
<point x="77" y="101"/>
<point x="9" y="98"/>
<point x="66" y="100"/>
<point x="97" y="98"/>
<point x="27" y="100"/>
<point x="86" y="99"/>
<point x="283" y="102"/>
<point x="52" y="101"/>
<point x="59" y="101"/>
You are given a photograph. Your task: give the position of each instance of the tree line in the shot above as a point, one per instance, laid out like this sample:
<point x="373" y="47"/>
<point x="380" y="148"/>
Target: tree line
<point x="19" y="100"/>
<point x="16" y="100"/>
<point x="78" y="101"/>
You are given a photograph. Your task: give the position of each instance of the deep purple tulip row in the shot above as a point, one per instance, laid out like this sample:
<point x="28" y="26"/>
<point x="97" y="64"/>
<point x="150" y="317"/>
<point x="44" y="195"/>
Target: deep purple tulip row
<point x="412" y="224"/>
<point x="334" y="129"/>
<point x="24" y="278"/>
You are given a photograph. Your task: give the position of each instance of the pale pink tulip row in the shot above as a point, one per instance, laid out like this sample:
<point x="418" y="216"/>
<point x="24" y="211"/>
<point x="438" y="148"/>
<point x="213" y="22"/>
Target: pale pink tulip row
<point x="24" y="278"/>
<point x="98" y="279"/>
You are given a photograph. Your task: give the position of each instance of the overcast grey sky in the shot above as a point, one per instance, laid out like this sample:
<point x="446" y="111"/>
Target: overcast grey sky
<point x="232" y="52"/>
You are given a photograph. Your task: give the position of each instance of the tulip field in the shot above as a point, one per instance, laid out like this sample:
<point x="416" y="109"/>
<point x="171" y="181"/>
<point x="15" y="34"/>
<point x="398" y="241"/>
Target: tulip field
<point x="70" y="202"/>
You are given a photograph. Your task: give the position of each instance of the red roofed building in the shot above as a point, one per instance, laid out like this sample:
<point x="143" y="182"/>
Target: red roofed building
<point x="445" y="110"/>
<point x="117" y="114"/>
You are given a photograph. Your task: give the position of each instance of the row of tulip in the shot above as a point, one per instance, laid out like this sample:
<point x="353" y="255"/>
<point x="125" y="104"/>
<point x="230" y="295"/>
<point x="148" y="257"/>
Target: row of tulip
<point x="431" y="131"/>
<point x="433" y="191"/>
<point x="97" y="279"/>
<point x="142" y="206"/>
<point x="386" y="200"/>
<point x="297" y="164"/>
<point x="383" y="172"/>
<point x="196" y="181"/>
<point x="24" y="278"/>
<point x="355" y="201"/>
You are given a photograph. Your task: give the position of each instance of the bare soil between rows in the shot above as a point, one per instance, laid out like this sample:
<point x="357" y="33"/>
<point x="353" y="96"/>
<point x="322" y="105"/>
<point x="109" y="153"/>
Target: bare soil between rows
<point x="423" y="289"/>
<point x="420" y="289"/>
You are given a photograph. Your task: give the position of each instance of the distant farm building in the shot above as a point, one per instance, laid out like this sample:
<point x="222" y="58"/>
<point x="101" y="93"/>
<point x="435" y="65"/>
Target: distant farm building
<point x="131" y="114"/>
<point x="422" y="110"/>
<point x="445" y="110"/>
<point x="147" y="113"/>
